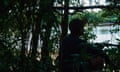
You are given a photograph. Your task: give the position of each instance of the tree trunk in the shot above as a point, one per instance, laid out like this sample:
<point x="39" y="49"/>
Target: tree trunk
<point x="45" y="49"/>
<point x="35" y="36"/>
<point x="64" y="27"/>
<point x="23" y="36"/>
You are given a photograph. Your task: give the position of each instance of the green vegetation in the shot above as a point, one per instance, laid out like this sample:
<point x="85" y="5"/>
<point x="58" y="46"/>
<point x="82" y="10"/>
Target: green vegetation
<point x="30" y="33"/>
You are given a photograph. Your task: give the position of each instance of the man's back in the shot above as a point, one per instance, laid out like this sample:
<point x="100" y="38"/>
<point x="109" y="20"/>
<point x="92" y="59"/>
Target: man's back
<point x="78" y="51"/>
<point x="73" y="48"/>
<point x="70" y="46"/>
<point x="72" y="54"/>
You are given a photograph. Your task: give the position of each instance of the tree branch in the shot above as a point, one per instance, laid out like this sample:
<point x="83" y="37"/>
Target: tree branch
<point x="89" y="7"/>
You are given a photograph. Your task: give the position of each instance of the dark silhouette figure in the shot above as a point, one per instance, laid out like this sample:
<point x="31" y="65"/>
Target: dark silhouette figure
<point x="77" y="54"/>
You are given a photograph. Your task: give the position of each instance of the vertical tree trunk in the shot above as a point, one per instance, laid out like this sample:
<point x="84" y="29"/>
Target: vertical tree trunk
<point x="64" y="23"/>
<point x="22" y="32"/>
<point x="64" y="27"/>
<point x="35" y="36"/>
<point x="45" y="49"/>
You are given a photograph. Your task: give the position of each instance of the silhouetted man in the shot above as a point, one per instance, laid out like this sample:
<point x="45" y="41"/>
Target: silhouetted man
<point x="75" y="51"/>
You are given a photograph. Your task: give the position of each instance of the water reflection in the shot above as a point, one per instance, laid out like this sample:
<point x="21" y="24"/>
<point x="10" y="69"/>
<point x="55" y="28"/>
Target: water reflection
<point x="107" y="33"/>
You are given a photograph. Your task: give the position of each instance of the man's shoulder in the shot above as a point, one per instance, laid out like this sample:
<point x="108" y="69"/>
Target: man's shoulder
<point x="73" y="38"/>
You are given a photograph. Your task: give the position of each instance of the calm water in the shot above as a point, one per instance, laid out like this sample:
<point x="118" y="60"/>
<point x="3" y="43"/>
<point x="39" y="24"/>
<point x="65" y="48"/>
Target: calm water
<point x="107" y="33"/>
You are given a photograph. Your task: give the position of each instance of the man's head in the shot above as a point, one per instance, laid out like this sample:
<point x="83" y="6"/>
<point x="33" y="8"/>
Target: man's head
<point x="76" y="27"/>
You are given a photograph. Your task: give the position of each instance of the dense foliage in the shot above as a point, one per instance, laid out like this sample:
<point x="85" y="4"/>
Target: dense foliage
<point x="30" y="33"/>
